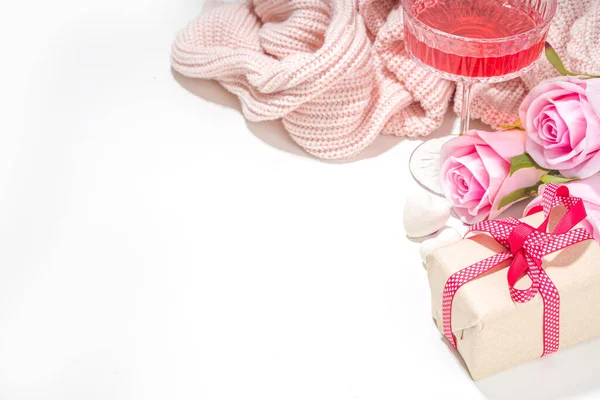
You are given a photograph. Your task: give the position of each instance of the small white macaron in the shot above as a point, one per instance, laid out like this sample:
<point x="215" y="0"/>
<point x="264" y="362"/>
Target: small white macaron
<point x="424" y="214"/>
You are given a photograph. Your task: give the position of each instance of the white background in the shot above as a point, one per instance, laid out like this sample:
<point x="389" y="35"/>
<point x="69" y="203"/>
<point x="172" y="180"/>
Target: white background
<point x="154" y="245"/>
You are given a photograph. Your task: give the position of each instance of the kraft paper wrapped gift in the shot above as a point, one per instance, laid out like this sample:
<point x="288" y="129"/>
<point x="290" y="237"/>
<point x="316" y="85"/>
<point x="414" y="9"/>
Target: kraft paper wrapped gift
<point x="493" y="333"/>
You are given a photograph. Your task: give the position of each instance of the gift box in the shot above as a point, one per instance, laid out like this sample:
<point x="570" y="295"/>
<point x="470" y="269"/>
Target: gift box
<point x="519" y="289"/>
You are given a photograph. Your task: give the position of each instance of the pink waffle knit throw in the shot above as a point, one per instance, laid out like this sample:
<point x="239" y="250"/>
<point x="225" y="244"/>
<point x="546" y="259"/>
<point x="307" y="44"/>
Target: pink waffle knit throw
<point x="337" y="74"/>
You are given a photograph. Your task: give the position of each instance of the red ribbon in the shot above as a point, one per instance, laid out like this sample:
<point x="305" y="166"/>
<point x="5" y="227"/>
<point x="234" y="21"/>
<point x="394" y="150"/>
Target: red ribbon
<point x="526" y="246"/>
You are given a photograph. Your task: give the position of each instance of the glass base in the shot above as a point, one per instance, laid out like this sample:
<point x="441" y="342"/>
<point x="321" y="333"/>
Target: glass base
<point x="425" y="164"/>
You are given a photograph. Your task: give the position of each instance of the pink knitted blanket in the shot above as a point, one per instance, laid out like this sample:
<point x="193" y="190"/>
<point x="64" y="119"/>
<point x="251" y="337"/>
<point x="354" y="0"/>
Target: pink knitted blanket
<point x="337" y="74"/>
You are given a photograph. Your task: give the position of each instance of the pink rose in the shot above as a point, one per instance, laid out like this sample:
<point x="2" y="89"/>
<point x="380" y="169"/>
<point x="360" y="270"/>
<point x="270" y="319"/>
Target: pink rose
<point x="562" y="120"/>
<point x="589" y="191"/>
<point x="475" y="172"/>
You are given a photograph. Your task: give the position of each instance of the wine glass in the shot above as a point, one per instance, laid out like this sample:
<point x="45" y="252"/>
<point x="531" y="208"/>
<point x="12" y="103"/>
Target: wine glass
<point x="471" y="41"/>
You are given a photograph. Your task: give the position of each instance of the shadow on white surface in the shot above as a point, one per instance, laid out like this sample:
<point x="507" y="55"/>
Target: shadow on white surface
<point x="275" y="135"/>
<point x="571" y="372"/>
<point x="208" y="90"/>
<point x="272" y="132"/>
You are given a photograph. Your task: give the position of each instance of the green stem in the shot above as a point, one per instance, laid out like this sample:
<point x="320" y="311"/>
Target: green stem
<point x="557" y="63"/>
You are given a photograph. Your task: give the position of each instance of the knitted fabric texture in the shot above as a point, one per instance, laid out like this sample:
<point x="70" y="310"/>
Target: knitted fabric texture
<point x="337" y="74"/>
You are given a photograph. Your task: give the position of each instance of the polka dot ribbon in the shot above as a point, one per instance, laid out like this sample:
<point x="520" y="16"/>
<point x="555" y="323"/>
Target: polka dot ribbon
<point x="526" y="246"/>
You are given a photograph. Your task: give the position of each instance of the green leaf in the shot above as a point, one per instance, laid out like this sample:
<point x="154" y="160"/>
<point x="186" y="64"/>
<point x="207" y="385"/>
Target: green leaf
<point x="519" y="194"/>
<point x="519" y="124"/>
<point x="555" y="60"/>
<point x="556" y="179"/>
<point x="523" y="161"/>
<point x="516" y="125"/>
<point x="557" y="63"/>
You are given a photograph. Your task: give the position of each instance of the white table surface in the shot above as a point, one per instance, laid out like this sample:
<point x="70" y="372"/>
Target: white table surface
<point x="155" y="245"/>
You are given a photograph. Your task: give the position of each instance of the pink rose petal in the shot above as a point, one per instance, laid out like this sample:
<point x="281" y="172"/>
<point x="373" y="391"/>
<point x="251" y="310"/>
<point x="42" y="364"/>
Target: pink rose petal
<point x="593" y="94"/>
<point x="522" y="178"/>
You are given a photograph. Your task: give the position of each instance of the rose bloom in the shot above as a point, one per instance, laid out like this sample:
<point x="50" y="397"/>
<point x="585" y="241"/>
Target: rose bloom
<point x="562" y="120"/>
<point x="589" y="191"/>
<point x="475" y="172"/>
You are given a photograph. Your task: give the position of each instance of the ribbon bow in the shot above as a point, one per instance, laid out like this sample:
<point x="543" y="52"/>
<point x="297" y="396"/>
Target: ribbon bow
<point x="526" y="246"/>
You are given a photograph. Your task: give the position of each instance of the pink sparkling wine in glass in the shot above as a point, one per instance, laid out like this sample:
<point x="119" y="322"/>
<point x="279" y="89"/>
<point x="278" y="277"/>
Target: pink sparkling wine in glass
<point x="471" y="41"/>
<point x="493" y="26"/>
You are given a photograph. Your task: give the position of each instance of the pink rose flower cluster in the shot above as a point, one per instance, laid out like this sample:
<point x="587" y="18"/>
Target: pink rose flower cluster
<point x="561" y="120"/>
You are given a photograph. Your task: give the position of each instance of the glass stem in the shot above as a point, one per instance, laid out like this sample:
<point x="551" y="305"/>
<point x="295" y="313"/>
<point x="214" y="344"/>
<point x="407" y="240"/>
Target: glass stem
<point x="465" y="112"/>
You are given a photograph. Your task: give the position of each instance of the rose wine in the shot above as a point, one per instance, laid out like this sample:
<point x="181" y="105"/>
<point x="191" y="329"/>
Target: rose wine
<point x="475" y="19"/>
